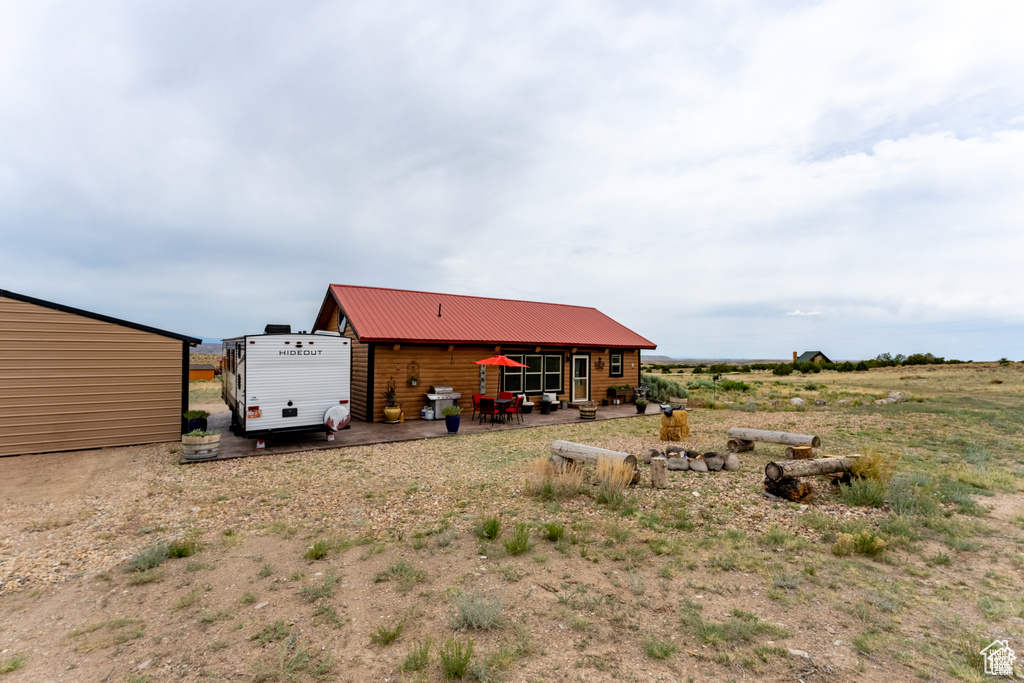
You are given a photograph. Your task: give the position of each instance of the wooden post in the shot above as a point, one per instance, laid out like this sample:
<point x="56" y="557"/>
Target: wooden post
<point x="674" y="428"/>
<point x="799" y="452"/>
<point x="774" y="437"/>
<point x="659" y="473"/>
<point x="805" y="468"/>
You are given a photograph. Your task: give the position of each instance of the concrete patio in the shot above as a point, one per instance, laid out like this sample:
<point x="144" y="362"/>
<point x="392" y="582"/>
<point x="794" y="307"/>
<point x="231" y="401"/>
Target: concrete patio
<point x="363" y="433"/>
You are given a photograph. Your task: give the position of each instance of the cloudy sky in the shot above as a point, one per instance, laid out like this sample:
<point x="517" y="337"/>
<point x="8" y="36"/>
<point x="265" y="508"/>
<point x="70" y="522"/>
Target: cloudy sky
<point x="729" y="179"/>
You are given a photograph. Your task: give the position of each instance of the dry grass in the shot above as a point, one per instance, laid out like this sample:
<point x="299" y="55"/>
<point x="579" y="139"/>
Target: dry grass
<point x="549" y="481"/>
<point x="614" y="474"/>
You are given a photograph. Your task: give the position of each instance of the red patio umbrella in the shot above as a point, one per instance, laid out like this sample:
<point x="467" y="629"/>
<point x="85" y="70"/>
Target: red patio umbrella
<point x="498" y="359"/>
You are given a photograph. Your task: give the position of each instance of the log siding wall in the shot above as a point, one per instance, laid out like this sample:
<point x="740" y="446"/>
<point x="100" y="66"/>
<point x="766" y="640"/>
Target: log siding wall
<point x="71" y="382"/>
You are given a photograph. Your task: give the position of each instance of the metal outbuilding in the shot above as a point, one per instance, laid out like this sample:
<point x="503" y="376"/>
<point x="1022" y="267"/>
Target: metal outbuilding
<point x="71" y="379"/>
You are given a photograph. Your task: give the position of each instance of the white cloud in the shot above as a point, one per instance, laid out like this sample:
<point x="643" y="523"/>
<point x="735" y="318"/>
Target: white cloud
<point x="799" y="312"/>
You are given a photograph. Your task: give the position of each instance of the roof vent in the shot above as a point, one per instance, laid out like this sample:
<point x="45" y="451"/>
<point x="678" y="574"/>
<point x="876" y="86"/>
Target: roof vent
<point x="277" y="329"/>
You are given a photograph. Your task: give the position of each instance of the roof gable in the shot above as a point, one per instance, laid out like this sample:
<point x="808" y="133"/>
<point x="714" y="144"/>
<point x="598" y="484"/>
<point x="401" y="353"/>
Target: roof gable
<point x="808" y="356"/>
<point x="191" y="341"/>
<point x="398" y="315"/>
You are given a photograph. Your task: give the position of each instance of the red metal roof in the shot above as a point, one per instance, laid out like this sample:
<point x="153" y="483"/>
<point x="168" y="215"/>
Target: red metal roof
<point x="399" y="315"/>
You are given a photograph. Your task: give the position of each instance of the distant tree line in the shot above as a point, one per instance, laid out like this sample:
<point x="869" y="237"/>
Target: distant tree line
<point x="882" y="360"/>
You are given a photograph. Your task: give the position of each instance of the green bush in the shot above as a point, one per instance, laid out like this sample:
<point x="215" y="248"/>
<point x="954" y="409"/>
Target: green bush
<point x="861" y="367"/>
<point x="782" y="369"/>
<point x="418" y="658"/>
<point x="488" y="528"/>
<point x="519" y="543"/>
<point x="864" y="492"/>
<point x="553" y="531"/>
<point x="661" y="390"/>
<point x="385" y="636"/>
<point x="455" y="658"/>
<point x="734" y="385"/>
<point x="318" y="550"/>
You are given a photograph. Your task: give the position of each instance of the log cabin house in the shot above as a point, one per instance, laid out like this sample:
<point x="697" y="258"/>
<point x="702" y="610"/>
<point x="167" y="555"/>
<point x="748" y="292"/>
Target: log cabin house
<point x="816" y="357"/>
<point x="424" y="339"/>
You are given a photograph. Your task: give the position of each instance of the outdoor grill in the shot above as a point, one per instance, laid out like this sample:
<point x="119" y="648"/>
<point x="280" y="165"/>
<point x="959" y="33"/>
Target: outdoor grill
<point x="442" y="397"/>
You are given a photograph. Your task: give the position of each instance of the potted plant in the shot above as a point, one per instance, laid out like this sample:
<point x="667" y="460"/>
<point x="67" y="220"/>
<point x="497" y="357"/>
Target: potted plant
<point x="451" y="418"/>
<point x="196" y="420"/>
<point x="200" y="444"/>
<point x="392" y="412"/>
<point x="641" y="405"/>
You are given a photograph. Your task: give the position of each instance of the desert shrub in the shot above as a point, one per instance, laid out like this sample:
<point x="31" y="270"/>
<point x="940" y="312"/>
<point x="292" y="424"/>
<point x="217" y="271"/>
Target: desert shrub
<point x="318" y="550"/>
<point x="782" y="369"/>
<point x="658" y="649"/>
<point x="861" y="367"/>
<point x="418" y="658"/>
<point x="845" y="366"/>
<point x="519" y="543"/>
<point x="12" y="664"/>
<point x="403" y="574"/>
<point x="875" y="466"/>
<point x="321" y="591"/>
<point x="911" y="494"/>
<point x="383" y="635"/>
<point x="455" y="658"/>
<point x="148" y="558"/>
<point x="477" y="611"/>
<point x="185" y="547"/>
<point x="613" y="477"/>
<point x="734" y="385"/>
<point x="863" y="492"/>
<point x="864" y="543"/>
<point x="661" y="390"/>
<point x="549" y="481"/>
<point x="553" y="531"/>
<point x="488" y="528"/>
<point x="701" y="383"/>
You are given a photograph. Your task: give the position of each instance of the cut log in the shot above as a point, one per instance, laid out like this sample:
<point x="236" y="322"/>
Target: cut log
<point x="774" y="437"/>
<point x="806" y="468"/>
<point x="674" y="428"/>
<point x="790" y="489"/>
<point x="740" y="445"/>
<point x="659" y="473"/>
<point x="799" y="452"/>
<point x="651" y="453"/>
<point x="568" y="450"/>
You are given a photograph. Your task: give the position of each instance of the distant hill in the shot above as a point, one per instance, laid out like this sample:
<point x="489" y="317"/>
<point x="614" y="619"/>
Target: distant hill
<point x="207" y="348"/>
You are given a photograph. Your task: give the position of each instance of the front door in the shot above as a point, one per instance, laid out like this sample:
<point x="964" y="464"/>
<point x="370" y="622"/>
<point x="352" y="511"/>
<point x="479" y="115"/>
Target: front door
<point x="580" y="379"/>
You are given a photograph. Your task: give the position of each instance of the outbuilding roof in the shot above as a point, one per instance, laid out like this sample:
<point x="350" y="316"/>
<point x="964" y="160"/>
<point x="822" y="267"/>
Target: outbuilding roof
<point x="808" y="356"/>
<point x="399" y="315"/>
<point x="191" y="341"/>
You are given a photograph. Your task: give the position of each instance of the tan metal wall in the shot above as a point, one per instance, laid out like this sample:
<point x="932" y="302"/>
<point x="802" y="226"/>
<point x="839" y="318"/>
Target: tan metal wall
<point x="68" y="382"/>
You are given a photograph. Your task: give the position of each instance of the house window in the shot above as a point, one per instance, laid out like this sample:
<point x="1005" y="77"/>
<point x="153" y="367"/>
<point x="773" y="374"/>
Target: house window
<point x="543" y="372"/>
<point x="615" y="364"/>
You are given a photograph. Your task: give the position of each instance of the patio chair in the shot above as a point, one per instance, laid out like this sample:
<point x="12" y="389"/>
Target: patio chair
<point x="505" y="395"/>
<point x="476" y="405"/>
<point x="487" y="409"/>
<point x="517" y="407"/>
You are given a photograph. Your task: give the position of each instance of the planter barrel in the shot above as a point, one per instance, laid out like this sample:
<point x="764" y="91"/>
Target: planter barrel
<point x="200" y="447"/>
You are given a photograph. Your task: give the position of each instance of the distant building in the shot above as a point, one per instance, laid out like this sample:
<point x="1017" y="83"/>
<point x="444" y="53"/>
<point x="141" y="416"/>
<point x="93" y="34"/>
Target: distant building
<point x="200" y="371"/>
<point x="816" y="357"/>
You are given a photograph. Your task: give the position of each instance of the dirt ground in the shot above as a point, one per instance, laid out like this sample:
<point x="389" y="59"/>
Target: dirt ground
<point x="705" y="580"/>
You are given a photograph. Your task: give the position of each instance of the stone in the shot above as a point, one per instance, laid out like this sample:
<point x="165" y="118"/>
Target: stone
<point x="714" y="462"/>
<point x="649" y="454"/>
<point x="820" y="402"/>
<point x="843" y="402"/>
<point x="692" y="454"/>
<point x="678" y="464"/>
<point x="883" y="401"/>
<point x="732" y="463"/>
<point x="897" y="397"/>
<point x="799" y="653"/>
<point x="796" y="401"/>
<point x="673" y="451"/>
<point x="698" y="466"/>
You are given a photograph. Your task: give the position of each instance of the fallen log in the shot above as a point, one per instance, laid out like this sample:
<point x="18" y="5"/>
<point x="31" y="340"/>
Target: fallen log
<point x="568" y="450"/>
<point x="790" y="489"/>
<point x="805" y="468"/>
<point x="786" y="438"/>
<point x="740" y="445"/>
